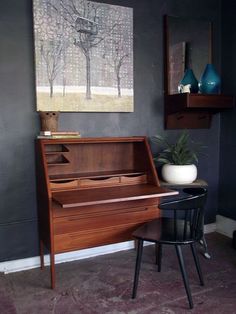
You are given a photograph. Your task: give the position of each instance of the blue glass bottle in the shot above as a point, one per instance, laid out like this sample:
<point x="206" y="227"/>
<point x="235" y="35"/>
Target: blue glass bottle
<point x="188" y="79"/>
<point x="210" y="82"/>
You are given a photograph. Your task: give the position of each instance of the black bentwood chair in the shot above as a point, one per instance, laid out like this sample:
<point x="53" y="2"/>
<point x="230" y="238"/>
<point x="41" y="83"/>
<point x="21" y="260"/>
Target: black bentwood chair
<point x="185" y="227"/>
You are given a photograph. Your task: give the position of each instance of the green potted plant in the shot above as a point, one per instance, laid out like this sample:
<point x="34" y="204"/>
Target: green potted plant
<point x="179" y="159"/>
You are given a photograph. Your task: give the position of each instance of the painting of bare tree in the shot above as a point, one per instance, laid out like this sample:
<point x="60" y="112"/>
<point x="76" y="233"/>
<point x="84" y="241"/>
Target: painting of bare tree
<point x="83" y="56"/>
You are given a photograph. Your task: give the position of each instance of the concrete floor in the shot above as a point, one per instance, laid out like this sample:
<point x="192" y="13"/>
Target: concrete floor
<point x="103" y="285"/>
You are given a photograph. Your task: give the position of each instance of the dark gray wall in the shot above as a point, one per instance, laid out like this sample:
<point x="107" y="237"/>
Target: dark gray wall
<point x="19" y="121"/>
<point x="227" y="201"/>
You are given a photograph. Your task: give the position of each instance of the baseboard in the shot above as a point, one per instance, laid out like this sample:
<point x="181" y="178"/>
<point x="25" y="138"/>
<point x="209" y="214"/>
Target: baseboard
<point x="34" y="262"/>
<point x="225" y="225"/>
<point x="210" y="228"/>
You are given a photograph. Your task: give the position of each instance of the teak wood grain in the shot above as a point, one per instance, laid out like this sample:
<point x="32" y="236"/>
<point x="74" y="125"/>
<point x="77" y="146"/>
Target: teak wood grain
<point x="109" y="195"/>
<point x="93" y="191"/>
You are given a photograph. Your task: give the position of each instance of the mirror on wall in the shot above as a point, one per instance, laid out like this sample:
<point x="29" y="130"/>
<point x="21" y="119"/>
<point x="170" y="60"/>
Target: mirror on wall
<point x="188" y="44"/>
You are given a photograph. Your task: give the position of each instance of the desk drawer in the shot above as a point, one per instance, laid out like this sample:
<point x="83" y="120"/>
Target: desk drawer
<point x="98" y="182"/>
<point x="63" y="225"/>
<point x="134" y="179"/>
<point x="63" y="185"/>
<point x="92" y="238"/>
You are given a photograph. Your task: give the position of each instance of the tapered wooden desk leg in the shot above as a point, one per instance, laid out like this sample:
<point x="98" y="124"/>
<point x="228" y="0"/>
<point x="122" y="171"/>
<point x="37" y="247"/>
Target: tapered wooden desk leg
<point x="52" y="268"/>
<point x="41" y="246"/>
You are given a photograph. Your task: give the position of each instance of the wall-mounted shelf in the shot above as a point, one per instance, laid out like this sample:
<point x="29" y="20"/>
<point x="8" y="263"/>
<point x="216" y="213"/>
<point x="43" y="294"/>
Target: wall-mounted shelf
<point x="194" y="111"/>
<point x="188" y="111"/>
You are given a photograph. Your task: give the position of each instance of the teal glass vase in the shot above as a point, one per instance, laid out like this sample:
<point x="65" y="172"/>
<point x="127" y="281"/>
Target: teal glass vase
<point x="189" y="83"/>
<point x="210" y="82"/>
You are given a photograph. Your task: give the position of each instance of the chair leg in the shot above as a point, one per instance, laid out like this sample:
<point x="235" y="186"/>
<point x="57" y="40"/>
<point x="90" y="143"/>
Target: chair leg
<point x="184" y="274"/>
<point x="159" y="257"/>
<point x="203" y="242"/>
<point x="205" y="246"/>
<point x="137" y="267"/>
<point x="156" y="252"/>
<point x="197" y="263"/>
<point x="41" y="254"/>
<point x="52" y="269"/>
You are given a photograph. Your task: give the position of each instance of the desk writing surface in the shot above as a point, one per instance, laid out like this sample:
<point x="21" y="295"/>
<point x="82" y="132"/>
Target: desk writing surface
<point x="109" y="195"/>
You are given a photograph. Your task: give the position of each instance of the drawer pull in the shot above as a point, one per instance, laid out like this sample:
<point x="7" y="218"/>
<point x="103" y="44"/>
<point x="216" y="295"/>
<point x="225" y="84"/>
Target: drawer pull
<point x="134" y="179"/>
<point x="64" y="184"/>
<point x="96" y="182"/>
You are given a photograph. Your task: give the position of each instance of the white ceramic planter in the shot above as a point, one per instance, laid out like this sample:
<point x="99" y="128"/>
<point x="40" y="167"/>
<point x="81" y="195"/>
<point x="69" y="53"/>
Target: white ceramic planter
<point x="179" y="174"/>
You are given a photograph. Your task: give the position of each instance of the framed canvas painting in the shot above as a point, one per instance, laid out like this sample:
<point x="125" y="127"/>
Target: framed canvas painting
<point x="83" y="56"/>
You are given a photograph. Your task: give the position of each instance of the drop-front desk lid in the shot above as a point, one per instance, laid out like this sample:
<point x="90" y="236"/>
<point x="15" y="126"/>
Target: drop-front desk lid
<point x="97" y="196"/>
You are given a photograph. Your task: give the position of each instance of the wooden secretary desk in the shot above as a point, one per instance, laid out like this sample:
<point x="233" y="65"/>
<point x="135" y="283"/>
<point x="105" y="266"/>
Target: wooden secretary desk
<point x="93" y="191"/>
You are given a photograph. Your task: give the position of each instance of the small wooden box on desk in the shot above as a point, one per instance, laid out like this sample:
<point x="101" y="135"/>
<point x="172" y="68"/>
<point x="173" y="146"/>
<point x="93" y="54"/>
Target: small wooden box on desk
<point x="93" y="191"/>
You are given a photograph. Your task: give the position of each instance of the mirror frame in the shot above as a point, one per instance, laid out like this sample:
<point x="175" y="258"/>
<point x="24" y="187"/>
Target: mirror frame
<point x="166" y="37"/>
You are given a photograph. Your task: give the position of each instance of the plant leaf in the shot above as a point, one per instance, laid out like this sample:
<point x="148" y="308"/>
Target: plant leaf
<point x="179" y="153"/>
